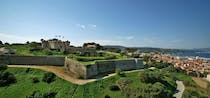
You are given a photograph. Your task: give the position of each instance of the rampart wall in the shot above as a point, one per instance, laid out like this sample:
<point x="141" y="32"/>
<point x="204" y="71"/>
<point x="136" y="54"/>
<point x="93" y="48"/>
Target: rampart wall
<point x="109" y="66"/>
<point x="76" y="68"/>
<point x="32" y="60"/>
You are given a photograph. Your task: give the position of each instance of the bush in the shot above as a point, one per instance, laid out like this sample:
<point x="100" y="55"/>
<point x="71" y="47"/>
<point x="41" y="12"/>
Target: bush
<point x="114" y="88"/>
<point x="49" y="77"/>
<point x="107" y="96"/>
<point x="27" y="70"/>
<point x="3" y="67"/>
<point x="7" y="78"/>
<point x="35" y="80"/>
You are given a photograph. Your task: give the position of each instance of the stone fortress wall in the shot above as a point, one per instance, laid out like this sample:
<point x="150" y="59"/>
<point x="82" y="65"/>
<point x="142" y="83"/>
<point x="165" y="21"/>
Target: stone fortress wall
<point x="76" y="68"/>
<point x="32" y="60"/>
<point x="110" y="66"/>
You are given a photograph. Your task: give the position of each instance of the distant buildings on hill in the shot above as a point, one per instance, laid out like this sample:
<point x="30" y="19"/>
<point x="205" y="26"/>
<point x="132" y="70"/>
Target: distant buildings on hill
<point x="55" y="44"/>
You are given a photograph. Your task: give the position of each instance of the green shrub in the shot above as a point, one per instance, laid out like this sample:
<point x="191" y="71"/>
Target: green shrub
<point x="114" y="88"/>
<point x="27" y="70"/>
<point x="35" y="80"/>
<point x="107" y="96"/>
<point x="7" y="78"/>
<point x="49" y="77"/>
<point x="3" y="67"/>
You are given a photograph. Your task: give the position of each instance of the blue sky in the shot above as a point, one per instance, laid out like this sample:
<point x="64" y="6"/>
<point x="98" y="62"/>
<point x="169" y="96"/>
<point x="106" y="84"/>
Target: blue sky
<point x="142" y="23"/>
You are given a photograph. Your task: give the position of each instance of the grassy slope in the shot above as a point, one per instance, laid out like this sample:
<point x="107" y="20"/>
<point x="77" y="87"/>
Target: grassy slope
<point x="98" y="89"/>
<point x="192" y="90"/>
<point x="24" y="86"/>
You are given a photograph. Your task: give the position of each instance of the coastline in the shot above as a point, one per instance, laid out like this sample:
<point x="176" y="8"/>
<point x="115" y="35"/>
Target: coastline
<point x="201" y="55"/>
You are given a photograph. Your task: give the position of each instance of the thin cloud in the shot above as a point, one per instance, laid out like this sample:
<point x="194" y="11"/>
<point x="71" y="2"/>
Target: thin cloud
<point x="125" y="37"/>
<point x="86" y="27"/>
<point x="83" y="27"/>
<point x="91" y="26"/>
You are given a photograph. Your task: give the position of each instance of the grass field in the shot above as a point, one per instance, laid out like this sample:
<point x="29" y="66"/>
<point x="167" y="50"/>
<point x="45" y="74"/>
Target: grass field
<point x="64" y="89"/>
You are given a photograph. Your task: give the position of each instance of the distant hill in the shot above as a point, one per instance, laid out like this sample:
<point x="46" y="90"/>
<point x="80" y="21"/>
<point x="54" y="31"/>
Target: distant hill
<point x="114" y="46"/>
<point x="148" y="49"/>
<point x="202" y="49"/>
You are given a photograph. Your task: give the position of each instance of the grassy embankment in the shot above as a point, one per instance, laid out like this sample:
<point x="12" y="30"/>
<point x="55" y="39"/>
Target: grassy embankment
<point x="64" y="89"/>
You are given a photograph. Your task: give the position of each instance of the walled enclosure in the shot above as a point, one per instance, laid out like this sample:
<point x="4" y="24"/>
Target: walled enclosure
<point x="101" y="67"/>
<point x="75" y="68"/>
<point x="32" y="60"/>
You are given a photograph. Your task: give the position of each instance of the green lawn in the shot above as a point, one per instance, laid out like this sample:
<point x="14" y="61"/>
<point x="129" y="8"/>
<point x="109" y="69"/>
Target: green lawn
<point x="91" y="60"/>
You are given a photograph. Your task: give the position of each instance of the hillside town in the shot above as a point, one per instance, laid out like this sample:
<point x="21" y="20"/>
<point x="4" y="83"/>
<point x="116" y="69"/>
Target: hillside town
<point x="192" y="66"/>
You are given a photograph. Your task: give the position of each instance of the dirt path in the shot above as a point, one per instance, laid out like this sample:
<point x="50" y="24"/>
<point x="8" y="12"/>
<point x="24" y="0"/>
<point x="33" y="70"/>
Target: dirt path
<point x="180" y="89"/>
<point x="59" y="71"/>
<point x="201" y="82"/>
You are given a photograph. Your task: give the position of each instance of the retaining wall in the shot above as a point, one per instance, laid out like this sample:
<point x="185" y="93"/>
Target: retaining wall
<point x="32" y="60"/>
<point x="75" y="67"/>
<point x="103" y="67"/>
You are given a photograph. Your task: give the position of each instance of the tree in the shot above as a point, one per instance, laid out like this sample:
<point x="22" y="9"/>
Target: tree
<point x="34" y="44"/>
<point x="6" y="43"/>
<point x="7" y="78"/>
<point x="1" y="43"/>
<point x="3" y="67"/>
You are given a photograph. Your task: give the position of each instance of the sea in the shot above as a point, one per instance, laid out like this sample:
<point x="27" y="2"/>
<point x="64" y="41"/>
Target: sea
<point x="204" y="55"/>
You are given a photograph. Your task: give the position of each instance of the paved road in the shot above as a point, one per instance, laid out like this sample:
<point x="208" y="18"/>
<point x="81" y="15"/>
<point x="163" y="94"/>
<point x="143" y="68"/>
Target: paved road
<point x="180" y="88"/>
